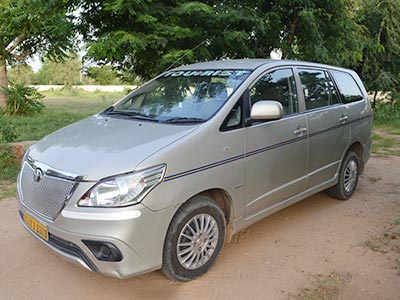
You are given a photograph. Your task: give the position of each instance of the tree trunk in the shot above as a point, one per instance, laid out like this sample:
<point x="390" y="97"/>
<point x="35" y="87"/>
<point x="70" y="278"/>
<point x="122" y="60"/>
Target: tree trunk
<point x="291" y="36"/>
<point x="374" y="100"/>
<point x="3" y="83"/>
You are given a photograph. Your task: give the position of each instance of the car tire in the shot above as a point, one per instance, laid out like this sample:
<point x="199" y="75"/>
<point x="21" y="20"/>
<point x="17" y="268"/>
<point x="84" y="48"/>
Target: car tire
<point x="348" y="177"/>
<point x="194" y="239"/>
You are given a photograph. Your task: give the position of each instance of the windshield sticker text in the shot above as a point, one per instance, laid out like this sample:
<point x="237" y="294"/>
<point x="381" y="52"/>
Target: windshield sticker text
<point x="208" y="73"/>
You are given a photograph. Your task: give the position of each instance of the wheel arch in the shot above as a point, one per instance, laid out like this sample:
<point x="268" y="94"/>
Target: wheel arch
<point x="224" y="201"/>
<point x="222" y="198"/>
<point x="357" y="148"/>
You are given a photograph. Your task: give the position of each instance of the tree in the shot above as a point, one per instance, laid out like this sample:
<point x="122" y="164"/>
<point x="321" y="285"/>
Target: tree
<point x="21" y="74"/>
<point x="320" y="31"/>
<point x="33" y="26"/>
<point x="65" y="73"/>
<point x="68" y="72"/>
<point x="146" y="37"/>
<point x="104" y="75"/>
<point x="380" y="64"/>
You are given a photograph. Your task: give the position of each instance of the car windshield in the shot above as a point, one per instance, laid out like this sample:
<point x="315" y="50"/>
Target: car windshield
<point x="181" y="96"/>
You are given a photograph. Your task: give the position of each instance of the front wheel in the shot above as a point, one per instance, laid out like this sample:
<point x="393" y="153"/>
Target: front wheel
<point x="348" y="177"/>
<point x="194" y="239"/>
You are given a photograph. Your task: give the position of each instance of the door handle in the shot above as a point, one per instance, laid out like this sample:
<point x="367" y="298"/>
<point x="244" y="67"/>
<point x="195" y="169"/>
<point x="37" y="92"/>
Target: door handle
<point x="300" y="131"/>
<point x="343" y="119"/>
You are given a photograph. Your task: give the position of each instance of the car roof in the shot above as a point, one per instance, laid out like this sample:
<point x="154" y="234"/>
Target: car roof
<point x="248" y="64"/>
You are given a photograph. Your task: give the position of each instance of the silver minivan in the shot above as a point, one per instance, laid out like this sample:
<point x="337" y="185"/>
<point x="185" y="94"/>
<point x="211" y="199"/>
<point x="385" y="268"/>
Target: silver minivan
<point x="164" y="177"/>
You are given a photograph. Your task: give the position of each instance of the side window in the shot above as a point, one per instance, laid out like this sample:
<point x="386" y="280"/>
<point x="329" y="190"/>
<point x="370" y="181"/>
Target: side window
<point x="348" y="87"/>
<point x="318" y="88"/>
<point x="277" y="85"/>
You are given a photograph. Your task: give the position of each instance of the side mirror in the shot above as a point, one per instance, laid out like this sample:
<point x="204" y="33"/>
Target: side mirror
<point x="265" y="110"/>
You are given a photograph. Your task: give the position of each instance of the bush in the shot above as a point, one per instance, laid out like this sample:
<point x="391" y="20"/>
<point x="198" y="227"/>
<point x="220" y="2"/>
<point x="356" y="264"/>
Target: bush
<point x="9" y="163"/>
<point x="385" y="112"/>
<point x="23" y="100"/>
<point x="7" y="131"/>
<point x="66" y="91"/>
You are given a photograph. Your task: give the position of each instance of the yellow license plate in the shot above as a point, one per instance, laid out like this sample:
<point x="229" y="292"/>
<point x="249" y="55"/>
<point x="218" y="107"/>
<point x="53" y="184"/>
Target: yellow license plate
<point x="36" y="227"/>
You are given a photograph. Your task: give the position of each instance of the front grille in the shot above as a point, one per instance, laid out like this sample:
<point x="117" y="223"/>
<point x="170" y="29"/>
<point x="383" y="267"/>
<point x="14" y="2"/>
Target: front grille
<point x="47" y="196"/>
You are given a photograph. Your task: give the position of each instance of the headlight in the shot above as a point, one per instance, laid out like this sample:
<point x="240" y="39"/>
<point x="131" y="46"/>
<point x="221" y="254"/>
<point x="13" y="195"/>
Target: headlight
<point x="123" y="190"/>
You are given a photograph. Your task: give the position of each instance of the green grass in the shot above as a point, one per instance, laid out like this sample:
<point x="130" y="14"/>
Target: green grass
<point x="390" y="126"/>
<point x="386" y="137"/>
<point x="386" y="140"/>
<point x="62" y="108"/>
<point x="9" y="167"/>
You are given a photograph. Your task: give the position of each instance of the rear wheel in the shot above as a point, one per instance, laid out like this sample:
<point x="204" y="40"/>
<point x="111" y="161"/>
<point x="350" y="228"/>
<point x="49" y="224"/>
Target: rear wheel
<point x="348" y="177"/>
<point x="194" y="240"/>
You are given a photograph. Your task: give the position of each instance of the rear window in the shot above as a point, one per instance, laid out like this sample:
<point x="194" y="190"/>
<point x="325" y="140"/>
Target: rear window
<point x="348" y="87"/>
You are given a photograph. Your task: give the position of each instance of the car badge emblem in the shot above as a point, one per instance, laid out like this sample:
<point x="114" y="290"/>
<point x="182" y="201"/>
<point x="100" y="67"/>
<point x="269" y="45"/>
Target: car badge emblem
<point x="38" y="175"/>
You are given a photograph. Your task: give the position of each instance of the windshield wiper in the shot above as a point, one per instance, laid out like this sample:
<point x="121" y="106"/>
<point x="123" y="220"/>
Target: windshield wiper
<point x="130" y="114"/>
<point x="184" y="120"/>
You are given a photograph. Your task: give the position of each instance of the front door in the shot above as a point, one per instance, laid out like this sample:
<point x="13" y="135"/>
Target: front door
<point x="275" y="151"/>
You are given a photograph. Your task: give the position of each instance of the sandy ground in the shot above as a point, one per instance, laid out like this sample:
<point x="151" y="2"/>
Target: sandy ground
<point x="273" y="259"/>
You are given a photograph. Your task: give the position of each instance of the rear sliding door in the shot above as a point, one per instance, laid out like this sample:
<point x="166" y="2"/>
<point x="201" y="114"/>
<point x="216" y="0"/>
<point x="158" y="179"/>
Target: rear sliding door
<point x="327" y="122"/>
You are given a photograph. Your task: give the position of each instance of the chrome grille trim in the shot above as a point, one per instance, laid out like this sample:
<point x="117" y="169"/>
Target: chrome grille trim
<point x="46" y="197"/>
<point x="53" y="172"/>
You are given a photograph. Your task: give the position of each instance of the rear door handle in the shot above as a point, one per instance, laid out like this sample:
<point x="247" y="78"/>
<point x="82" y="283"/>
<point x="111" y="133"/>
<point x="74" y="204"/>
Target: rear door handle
<point x="300" y="131"/>
<point x="343" y="119"/>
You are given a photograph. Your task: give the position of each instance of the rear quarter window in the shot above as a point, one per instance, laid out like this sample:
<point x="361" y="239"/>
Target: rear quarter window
<point x="349" y="89"/>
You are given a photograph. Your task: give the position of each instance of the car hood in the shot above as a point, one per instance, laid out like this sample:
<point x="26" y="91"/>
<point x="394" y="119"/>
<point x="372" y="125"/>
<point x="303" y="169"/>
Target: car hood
<point x="100" y="146"/>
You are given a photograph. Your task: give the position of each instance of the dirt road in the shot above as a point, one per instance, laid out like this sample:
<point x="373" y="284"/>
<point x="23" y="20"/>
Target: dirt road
<point x="277" y="258"/>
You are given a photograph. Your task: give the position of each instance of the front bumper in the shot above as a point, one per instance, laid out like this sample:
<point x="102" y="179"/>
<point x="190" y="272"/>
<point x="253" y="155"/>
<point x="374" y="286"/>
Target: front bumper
<point x="136" y="231"/>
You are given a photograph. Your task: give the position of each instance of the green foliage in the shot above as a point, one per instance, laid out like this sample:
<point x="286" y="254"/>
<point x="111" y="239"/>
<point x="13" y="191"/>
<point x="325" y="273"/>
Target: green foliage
<point x="144" y="38"/>
<point x="35" y="26"/>
<point x="384" y="112"/>
<point x="380" y="65"/>
<point x="29" y="27"/>
<point x="387" y="119"/>
<point x="65" y="73"/>
<point x="68" y="92"/>
<point x="9" y="165"/>
<point x="104" y="75"/>
<point x="7" y="130"/>
<point x="320" y="31"/>
<point x="21" y="73"/>
<point x="23" y="100"/>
